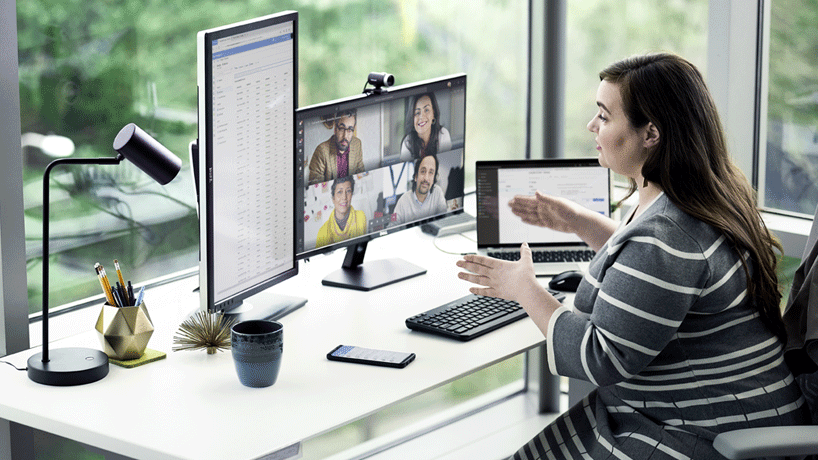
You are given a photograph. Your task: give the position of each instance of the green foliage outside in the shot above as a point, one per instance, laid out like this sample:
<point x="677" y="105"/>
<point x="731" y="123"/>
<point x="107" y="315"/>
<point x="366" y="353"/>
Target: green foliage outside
<point x="600" y="32"/>
<point x="791" y="179"/>
<point x="87" y="68"/>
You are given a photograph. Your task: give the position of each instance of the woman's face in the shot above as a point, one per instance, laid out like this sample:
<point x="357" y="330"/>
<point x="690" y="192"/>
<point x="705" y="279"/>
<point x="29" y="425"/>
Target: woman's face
<point x="424" y="117"/>
<point x="342" y="198"/>
<point x="621" y="147"/>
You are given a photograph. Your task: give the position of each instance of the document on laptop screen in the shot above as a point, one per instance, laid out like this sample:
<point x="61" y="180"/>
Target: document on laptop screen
<point x="579" y="184"/>
<point x="587" y="184"/>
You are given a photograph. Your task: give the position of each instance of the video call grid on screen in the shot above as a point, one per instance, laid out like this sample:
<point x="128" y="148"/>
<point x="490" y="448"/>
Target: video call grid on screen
<point x="583" y="181"/>
<point x="388" y="166"/>
<point x="252" y="89"/>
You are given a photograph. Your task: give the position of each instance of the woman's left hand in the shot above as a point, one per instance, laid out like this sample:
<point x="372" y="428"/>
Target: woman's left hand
<point x="500" y="278"/>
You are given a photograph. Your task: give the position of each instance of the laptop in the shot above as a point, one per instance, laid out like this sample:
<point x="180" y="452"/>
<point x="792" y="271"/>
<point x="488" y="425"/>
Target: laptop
<point x="500" y="233"/>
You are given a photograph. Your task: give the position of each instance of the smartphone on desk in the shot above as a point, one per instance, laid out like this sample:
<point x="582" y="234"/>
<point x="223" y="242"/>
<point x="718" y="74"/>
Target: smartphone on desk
<point x="360" y="355"/>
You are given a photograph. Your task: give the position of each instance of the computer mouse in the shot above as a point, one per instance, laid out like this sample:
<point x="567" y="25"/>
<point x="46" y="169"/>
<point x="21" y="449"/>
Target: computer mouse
<point x="566" y="281"/>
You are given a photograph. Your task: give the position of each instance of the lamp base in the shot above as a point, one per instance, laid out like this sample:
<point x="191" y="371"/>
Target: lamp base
<point x="68" y="367"/>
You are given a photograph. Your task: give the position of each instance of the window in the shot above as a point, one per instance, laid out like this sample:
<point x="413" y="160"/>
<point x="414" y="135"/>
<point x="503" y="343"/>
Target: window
<point x="88" y="68"/>
<point x="600" y="32"/>
<point x="788" y="169"/>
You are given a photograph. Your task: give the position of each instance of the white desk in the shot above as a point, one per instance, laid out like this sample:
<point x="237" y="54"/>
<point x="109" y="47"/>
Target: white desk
<point x="192" y="406"/>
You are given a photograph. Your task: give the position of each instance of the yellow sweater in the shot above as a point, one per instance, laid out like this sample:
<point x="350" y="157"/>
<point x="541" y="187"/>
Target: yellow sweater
<point x="330" y="232"/>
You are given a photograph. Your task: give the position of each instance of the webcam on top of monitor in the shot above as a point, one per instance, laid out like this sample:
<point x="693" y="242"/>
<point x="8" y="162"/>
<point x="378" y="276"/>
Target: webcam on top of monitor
<point x="380" y="81"/>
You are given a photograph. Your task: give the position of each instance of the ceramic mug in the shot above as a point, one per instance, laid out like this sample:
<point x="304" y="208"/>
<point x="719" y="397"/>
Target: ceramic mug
<point x="256" y="346"/>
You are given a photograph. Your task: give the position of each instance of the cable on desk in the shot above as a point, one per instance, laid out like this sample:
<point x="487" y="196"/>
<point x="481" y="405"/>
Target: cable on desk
<point x="434" y="241"/>
<point x="12" y="365"/>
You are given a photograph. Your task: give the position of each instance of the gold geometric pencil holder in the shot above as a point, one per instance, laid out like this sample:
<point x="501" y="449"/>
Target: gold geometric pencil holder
<point x="124" y="332"/>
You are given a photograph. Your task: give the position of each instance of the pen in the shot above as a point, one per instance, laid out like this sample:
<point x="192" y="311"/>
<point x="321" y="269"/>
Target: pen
<point x="139" y="297"/>
<point x="121" y="282"/>
<point x="120" y="294"/>
<point x="130" y="293"/>
<point x="105" y="290"/>
<point x="118" y="300"/>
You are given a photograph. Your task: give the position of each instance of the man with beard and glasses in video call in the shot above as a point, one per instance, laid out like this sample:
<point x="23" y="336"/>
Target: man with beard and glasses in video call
<point x="339" y="156"/>
<point x="426" y="198"/>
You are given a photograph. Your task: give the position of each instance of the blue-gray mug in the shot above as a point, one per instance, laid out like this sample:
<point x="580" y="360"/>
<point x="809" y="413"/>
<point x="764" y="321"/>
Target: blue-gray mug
<point x="257" y="346"/>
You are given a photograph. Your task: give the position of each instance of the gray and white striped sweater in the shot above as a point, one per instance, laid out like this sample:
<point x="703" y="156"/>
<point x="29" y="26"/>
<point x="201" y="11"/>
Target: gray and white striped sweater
<point x="663" y="325"/>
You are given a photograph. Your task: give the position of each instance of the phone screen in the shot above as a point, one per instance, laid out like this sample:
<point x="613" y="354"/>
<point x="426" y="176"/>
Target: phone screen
<point x="368" y="354"/>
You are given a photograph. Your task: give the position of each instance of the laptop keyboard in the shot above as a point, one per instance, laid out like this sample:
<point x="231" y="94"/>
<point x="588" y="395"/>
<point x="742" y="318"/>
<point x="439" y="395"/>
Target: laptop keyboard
<point x="580" y="255"/>
<point x="470" y="316"/>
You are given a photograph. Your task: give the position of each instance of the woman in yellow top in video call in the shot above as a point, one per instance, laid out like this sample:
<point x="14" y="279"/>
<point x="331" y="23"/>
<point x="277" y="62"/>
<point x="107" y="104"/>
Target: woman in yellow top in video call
<point x="345" y="222"/>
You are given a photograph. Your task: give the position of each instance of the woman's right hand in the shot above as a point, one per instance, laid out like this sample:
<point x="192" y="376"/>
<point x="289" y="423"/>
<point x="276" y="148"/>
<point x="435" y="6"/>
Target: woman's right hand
<point x="548" y="211"/>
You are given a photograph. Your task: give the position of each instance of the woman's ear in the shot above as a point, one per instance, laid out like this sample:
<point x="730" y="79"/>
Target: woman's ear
<point x="651" y="136"/>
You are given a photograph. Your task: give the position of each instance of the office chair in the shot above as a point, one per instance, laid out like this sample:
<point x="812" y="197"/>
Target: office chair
<point x="777" y="442"/>
<point x="801" y="354"/>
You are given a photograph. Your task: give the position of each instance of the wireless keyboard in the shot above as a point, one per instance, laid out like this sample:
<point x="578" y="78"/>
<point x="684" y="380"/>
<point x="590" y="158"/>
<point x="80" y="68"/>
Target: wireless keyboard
<point x="470" y="316"/>
<point x="583" y="255"/>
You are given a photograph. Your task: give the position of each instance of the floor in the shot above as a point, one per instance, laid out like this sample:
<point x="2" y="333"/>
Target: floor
<point x="490" y="434"/>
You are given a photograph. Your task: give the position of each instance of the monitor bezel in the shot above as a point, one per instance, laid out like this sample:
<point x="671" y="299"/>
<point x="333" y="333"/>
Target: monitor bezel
<point x="364" y="99"/>
<point x="204" y="41"/>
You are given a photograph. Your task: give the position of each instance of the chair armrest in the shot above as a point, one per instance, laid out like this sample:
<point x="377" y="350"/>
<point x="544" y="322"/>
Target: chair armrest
<point x="776" y="441"/>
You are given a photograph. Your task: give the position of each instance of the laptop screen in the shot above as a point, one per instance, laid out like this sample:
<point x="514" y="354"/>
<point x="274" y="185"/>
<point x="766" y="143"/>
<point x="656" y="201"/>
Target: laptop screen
<point x="582" y="180"/>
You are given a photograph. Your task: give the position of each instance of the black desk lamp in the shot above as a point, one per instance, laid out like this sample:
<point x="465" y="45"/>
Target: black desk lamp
<point x="77" y="366"/>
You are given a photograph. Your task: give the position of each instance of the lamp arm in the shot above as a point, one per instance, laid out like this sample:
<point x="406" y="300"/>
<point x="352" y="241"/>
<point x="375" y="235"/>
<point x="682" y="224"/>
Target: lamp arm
<point x="46" y="180"/>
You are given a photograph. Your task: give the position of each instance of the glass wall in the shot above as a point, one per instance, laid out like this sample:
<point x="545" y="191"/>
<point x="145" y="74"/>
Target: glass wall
<point x="600" y="32"/>
<point x="789" y="165"/>
<point x="88" y="67"/>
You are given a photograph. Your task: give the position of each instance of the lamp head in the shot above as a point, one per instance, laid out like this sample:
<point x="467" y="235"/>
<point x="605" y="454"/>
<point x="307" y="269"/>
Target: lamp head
<point x="147" y="153"/>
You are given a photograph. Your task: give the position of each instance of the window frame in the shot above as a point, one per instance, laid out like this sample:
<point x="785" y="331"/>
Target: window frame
<point x="736" y="51"/>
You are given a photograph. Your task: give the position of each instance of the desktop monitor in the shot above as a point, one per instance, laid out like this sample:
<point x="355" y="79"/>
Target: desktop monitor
<point x="247" y="83"/>
<point x="377" y="163"/>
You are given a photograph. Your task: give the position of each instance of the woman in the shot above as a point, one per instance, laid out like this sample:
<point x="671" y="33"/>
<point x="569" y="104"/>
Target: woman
<point x="345" y="221"/>
<point x="677" y="320"/>
<point x="426" y="135"/>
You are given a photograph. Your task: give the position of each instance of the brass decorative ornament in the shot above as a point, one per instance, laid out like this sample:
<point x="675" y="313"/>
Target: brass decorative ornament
<point x="204" y="331"/>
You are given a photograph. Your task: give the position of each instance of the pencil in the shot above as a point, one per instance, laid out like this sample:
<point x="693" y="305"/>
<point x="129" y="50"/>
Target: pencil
<point x="126" y="300"/>
<point x="106" y="285"/>
<point x="108" y="296"/>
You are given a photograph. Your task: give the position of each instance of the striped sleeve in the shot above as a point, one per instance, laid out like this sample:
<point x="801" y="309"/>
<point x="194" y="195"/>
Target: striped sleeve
<point x="641" y="287"/>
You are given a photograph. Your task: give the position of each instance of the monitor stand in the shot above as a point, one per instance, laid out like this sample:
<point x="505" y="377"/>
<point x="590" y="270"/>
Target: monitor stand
<point x="377" y="273"/>
<point x="265" y="305"/>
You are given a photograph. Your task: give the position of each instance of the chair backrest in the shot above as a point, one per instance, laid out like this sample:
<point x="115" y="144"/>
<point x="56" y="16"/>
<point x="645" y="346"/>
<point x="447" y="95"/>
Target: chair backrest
<point x="801" y="321"/>
<point x="809" y="387"/>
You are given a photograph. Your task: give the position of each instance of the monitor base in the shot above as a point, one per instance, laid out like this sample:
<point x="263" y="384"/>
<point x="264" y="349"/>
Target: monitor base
<point x="373" y="274"/>
<point x="265" y="305"/>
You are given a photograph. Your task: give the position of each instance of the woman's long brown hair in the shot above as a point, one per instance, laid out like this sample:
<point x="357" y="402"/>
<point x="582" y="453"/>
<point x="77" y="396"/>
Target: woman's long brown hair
<point x="693" y="167"/>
